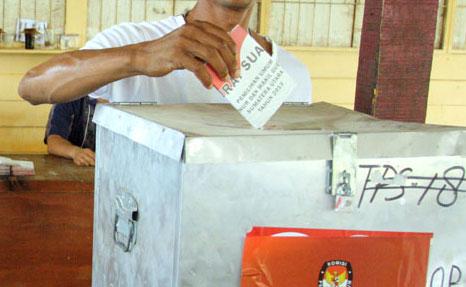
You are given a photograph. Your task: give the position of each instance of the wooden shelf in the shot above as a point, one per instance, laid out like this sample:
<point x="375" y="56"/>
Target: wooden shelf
<point x="31" y="52"/>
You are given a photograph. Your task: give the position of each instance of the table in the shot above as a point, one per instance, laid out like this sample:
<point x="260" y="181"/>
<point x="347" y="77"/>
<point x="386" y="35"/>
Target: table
<point x="46" y="224"/>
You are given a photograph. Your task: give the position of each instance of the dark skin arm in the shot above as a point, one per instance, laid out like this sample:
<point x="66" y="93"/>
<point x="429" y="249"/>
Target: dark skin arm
<point x="75" y="74"/>
<point x="59" y="146"/>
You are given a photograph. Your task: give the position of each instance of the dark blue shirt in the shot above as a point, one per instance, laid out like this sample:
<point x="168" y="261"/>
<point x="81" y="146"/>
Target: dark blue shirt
<point x="73" y="122"/>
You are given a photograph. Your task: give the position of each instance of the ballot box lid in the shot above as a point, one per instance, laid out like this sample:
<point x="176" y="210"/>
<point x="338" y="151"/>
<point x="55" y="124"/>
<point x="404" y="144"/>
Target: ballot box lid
<point x="210" y="133"/>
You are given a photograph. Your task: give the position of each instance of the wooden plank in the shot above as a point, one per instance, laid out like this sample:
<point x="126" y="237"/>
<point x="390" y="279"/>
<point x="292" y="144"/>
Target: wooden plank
<point x="254" y="20"/>
<point x="123" y="13"/>
<point x="453" y="115"/>
<point x="342" y="63"/>
<point x="341" y="23"/>
<point x="1" y="14"/>
<point x="75" y="22"/>
<point x="93" y="18"/>
<point x="446" y="115"/>
<point x="333" y="90"/>
<point x="11" y="14"/>
<point x="108" y="14"/>
<point x="47" y="238"/>
<point x="443" y="92"/>
<point x="440" y="25"/>
<point x="183" y="6"/>
<point x="329" y="64"/>
<point x="320" y="33"/>
<point x="404" y="63"/>
<point x="306" y="23"/>
<point x="158" y="9"/>
<point x="434" y="115"/>
<point x="43" y="10"/>
<point x="358" y="23"/>
<point x="23" y="114"/>
<point x="138" y="10"/>
<point x="20" y="63"/>
<point x="265" y="16"/>
<point x="459" y="28"/>
<point x="9" y="90"/>
<point x="322" y="64"/>
<point x="22" y="140"/>
<point x="291" y="23"/>
<point x="57" y="16"/>
<point x="449" y="66"/>
<point x="27" y="9"/>
<point x="277" y="16"/>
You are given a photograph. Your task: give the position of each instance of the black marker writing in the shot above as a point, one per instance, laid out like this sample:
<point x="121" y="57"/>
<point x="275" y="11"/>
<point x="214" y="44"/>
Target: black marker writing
<point x="447" y="187"/>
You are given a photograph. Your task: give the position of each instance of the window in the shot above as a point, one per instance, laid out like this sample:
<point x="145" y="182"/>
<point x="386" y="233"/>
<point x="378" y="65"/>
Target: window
<point x="325" y="23"/>
<point x="459" y="26"/>
<point x="321" y="23"/>
<point x="51" y="11"/>
<point x="103" y="14"/>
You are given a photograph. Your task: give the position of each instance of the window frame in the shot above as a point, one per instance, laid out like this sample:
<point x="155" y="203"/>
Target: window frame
<point x="447" y="35"/>
<point x="76" y="23"/>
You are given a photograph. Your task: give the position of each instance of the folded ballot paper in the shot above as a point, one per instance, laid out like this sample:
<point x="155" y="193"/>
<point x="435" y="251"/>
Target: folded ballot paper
<point x="263" y="86"/>
<point x="16" y="167"/>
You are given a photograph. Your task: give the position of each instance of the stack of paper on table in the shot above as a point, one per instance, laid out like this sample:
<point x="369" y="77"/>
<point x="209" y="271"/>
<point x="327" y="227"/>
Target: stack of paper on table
<point x="4" y="169"/>
<point x="16" y="167"/>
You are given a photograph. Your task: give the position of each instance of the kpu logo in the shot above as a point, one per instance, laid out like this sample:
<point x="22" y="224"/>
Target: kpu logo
<point x="336" y="273"/>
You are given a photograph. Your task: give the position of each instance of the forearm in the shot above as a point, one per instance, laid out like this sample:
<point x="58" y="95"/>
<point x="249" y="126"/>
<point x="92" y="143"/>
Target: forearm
<point x="72" y="75"/>
<point x="59" y="146"/>
<point x="75" y="74"/>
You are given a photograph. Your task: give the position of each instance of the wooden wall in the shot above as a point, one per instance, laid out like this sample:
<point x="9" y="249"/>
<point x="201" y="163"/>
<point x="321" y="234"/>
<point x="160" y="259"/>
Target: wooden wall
<point x="459" y="35"/>
<point x="103" y="14"/>
<point x="333" y="69"/>
<point x="52" y="11"/>
<point x="21" y="125"/>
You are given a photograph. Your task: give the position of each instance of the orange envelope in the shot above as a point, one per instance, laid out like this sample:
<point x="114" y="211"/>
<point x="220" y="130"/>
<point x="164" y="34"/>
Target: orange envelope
<point x="293" y="257"/>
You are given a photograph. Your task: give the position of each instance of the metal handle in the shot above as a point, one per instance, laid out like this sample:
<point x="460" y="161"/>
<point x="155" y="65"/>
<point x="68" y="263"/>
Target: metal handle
<point x="125" y="223"/>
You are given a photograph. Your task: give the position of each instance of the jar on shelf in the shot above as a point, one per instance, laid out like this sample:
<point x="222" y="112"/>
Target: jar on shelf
<point x="29" y="38"/>
<point x="69" y="41"/>
<point x="2" y="38"/>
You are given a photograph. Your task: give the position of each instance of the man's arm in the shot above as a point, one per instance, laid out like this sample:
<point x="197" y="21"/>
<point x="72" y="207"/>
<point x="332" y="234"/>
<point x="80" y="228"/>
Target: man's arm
<point x="59" y="146"/>
<point x="75" y="74"/>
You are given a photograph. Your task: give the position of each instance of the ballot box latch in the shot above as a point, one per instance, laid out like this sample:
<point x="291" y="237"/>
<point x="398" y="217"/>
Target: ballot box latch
<point x="342" y="170"/>
<point x="126" y="219"/>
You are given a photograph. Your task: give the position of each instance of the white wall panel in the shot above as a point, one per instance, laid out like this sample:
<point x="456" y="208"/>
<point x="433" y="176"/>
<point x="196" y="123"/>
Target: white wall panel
<point x="11" y="10"/>
<point x="158" y="9"/>
<point x="108" y="14"/>
<point x="57" y="15"/>
<point x="459" y="27"/>
<point x="123" y="11"/>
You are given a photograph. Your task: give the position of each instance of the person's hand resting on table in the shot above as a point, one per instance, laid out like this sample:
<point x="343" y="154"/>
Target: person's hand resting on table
<point x="71" y="133"/>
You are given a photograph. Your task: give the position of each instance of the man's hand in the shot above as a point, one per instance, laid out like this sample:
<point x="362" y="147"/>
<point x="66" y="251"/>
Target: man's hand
<point x="189" y="47"/>
<point x="83" y="157"/>
<point x="74" y="74"/>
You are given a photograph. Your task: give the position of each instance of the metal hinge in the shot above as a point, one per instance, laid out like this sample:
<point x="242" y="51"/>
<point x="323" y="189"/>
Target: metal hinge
<point x="342" y="174"/>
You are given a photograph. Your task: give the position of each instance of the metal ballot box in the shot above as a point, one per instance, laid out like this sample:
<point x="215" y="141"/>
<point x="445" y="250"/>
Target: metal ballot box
<point x="179" y="186"/>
